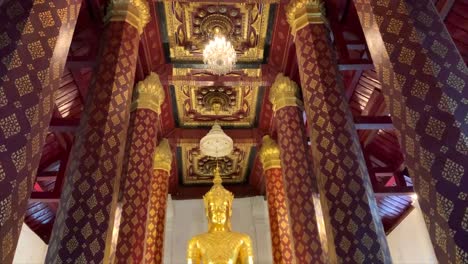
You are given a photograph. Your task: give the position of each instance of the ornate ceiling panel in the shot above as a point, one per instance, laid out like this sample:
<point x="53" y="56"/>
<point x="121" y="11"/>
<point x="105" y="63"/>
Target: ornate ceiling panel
<point x="190" y="25"/>
<point x="203" y="105"/>
<point x="197" y="168"/>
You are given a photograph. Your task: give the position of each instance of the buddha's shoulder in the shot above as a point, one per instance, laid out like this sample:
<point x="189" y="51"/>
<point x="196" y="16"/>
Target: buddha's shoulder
<point x="241" y="236"/>
<point x="235" y="235"/>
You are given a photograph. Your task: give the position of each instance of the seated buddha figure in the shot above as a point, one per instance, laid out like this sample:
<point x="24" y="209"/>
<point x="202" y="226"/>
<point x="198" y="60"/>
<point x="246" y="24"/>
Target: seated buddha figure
<point x="219" y="245"/>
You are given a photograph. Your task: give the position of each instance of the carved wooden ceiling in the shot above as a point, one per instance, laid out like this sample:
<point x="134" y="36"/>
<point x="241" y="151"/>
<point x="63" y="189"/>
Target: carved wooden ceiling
<point x="190" y="25"/>
<point x="263" y="41"/>
<point x="197" y="169"/>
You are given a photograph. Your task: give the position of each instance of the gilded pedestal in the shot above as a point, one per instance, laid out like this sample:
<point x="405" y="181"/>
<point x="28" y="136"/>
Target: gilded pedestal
<point x="34" y="40"/>
<point x="281" y="238"/>
<point x="154" y="242"/>
<point x="424" y="81"/>
<point x="84" y="222"/>
<point x="137" y="171"/>
<point x="299" y="182"/>
<point x="354" y="230"/>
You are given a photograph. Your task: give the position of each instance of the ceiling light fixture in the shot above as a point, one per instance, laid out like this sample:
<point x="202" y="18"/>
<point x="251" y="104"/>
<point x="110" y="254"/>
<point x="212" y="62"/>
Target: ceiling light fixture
<point x="216" y="143"/>
<point x="219" y="55"/>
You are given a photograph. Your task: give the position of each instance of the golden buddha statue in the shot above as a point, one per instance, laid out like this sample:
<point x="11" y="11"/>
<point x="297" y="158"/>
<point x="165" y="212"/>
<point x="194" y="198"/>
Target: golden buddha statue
<point x="219" y="245"/>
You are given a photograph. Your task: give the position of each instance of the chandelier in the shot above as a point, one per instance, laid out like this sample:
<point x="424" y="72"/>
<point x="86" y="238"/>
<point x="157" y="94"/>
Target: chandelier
<point x="219" y="55"/>
<point x="216" y="143"/>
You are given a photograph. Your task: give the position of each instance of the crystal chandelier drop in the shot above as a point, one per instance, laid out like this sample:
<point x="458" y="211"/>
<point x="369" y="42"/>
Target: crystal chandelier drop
<point x="219" y="55"/>
<point x="216" y="143"/>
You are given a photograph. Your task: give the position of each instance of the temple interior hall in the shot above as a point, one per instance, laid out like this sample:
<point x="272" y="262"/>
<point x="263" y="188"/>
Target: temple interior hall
<point x="235" y="131"/>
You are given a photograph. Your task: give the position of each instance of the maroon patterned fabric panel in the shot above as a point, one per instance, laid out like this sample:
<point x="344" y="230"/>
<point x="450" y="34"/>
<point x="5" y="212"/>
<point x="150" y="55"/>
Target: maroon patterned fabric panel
<point x="136" y="190"/>
<point x="92" y="180"/>
<point x="354" y="228"/>
<point x="300" y="185"/>
<point x="31" y="64"/>
<point x="156" y="217"/>
<point x="281" y="237"/>
<point x="424" y="81"/>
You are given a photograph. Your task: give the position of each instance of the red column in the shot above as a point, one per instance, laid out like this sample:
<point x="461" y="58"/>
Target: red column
<point x="299" y="182"/>
<point x="281" y="238"/>
<point x="354" y="230"/>
<point x="154" y="243"/>
<point x="137" y="171"/>
<point x="424" y="80"/>
<point x="34" y="41"/>
<point x="83" y="226"/>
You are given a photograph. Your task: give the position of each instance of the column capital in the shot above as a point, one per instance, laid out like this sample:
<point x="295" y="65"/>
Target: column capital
<point x="163" y="156"/>
<point x="149" y="94"/>
<point x="269" y="154"/>
<point x="134" y="12"/>
<point x="303" y="12"/>
<point x="284" y="92"/>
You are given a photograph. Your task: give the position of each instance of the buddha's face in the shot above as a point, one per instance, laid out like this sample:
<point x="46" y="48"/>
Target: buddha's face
<point x="218" y="211"/>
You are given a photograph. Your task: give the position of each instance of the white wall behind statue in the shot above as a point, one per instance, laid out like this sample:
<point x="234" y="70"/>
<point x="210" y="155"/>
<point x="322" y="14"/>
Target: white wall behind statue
<point x="186" y="218"/>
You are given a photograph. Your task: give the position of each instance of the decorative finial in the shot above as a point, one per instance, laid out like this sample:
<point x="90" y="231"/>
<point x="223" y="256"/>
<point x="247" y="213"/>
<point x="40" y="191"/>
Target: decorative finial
<point x="269" y="154"/>
<point x="163" y="156"/>
<point x="149" y="94"/>
<point x="134" y="12"/>
<point x="284" y="92"/>
<point x="300" y="13"/>
<point x="217" y="176"/>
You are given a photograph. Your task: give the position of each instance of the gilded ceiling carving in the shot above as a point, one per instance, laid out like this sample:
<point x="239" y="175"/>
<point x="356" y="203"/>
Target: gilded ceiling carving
<point x="203" y="105"/>
<point x="198" y="168"/>
<point x="190" y="25"/>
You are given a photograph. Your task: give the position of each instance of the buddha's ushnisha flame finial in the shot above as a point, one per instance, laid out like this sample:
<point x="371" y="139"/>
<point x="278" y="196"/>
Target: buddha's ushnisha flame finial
<point x="218" y="192"/>
<point x="217" y="176"/>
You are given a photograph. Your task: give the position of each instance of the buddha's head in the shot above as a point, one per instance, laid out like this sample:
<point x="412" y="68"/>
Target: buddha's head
<point x="218" y="204"/>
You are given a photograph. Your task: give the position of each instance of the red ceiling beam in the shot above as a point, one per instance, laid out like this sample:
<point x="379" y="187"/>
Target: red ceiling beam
<point x="392" y="191"/>
<point x="196" y="192"/>
<point x="361" y="123"/>
<point x="444" y="7"/>
<point x="373" y="122"/>
<point x="193" y="135"/>
<point x="78" y="62"/>
<point x="217" y="80"/>
<point x="46" y="176"/>
<point x="63" y="124"/>
<point x="356" y="65"/>
<point x="45" y="197"/>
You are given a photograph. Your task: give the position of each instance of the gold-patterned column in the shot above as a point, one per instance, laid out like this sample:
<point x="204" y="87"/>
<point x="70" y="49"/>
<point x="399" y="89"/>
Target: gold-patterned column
<point x="354" y="230"/>
<point x="83" y="227"/>
<point x="35" y="37"/>
<point x="154" y="247"/>
<point x="425" y="84"/>
<point x="281" y="238"/>
<point x="137" y="171"/>
<point x="299" y="181"/>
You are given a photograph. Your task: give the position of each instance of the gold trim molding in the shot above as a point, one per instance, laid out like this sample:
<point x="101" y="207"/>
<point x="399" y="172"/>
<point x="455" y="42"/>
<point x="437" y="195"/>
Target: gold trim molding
<point x="134" y="12"/>
<point x="300" y="13"/>
<point x="269" y="154"/>
<point x="163" y="156"/>
<point x="149" y="94"/>
<point x="284" y="92"/>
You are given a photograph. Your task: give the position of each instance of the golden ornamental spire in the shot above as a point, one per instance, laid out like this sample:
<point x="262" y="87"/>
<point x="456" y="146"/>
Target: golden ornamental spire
<point x="149" y="94"/>
<point x="303" y="12"/>
<point x="284" y="92"/>
<point x="134" y="12"/>
<point x="163" y="156"/>
<point x="218" y="192"/>
<point x="269" y="154"/>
